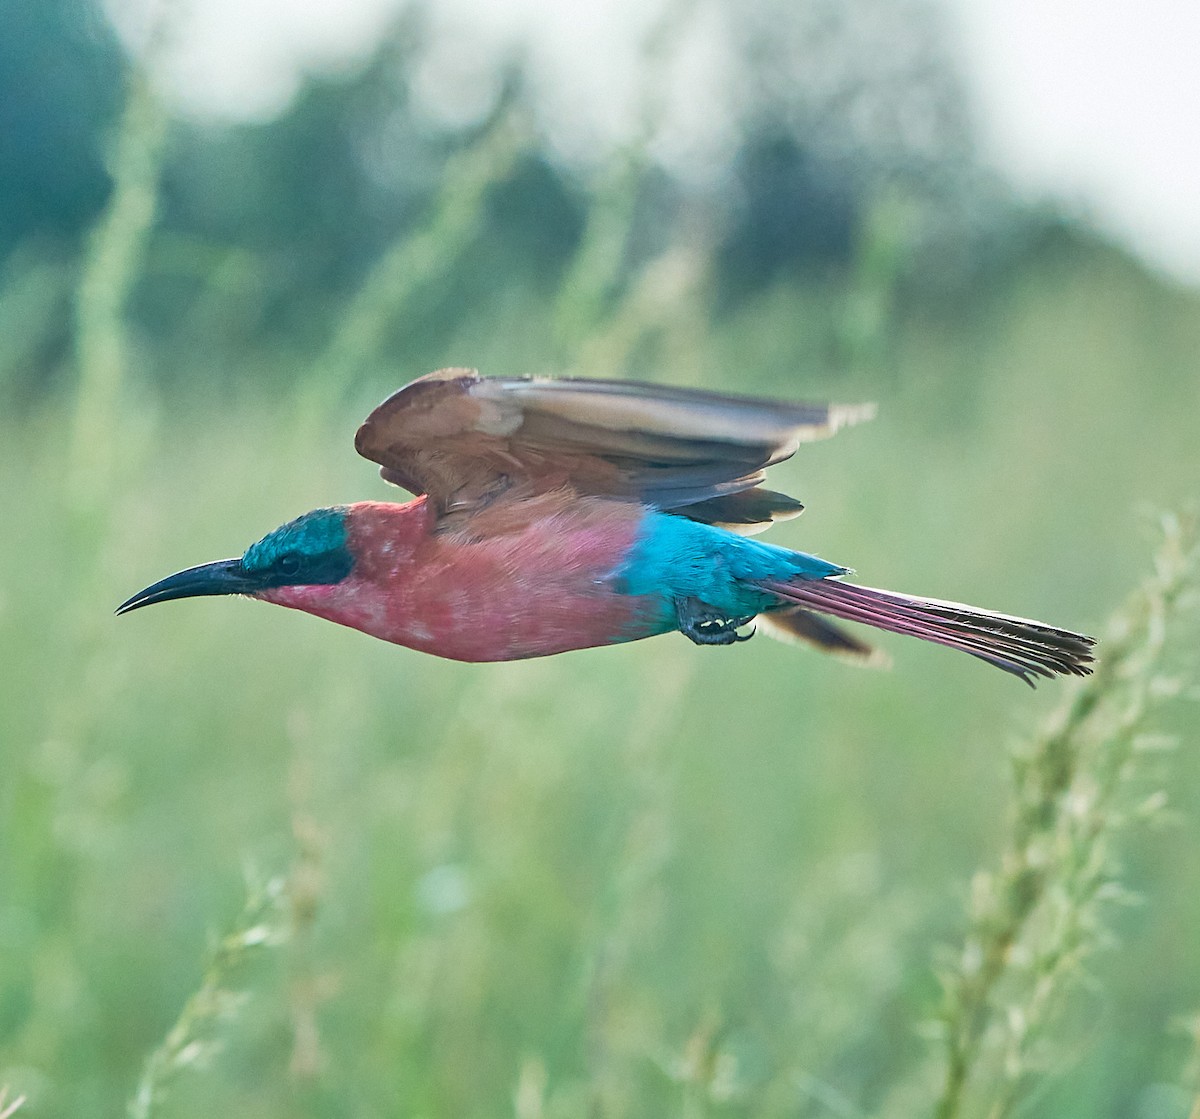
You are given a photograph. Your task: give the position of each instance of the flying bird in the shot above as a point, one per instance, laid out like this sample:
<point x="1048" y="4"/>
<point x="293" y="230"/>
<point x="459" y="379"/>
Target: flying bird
<point x="553" y="515"/>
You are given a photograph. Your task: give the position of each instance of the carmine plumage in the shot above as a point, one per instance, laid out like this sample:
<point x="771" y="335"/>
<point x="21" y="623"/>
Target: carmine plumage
<point x="558" y="515"/>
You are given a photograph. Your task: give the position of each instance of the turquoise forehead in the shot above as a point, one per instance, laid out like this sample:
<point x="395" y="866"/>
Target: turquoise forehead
<point x="315" y="534"/>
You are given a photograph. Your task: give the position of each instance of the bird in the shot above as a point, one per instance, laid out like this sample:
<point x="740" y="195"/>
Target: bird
<point x="551" y="515"/>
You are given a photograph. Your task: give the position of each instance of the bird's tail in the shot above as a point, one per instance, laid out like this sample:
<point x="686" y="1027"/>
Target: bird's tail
<point x="1018" y="645"/>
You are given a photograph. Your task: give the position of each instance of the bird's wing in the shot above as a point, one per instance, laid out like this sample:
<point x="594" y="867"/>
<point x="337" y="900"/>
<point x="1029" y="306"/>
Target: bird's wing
<point x="464" y="439"/>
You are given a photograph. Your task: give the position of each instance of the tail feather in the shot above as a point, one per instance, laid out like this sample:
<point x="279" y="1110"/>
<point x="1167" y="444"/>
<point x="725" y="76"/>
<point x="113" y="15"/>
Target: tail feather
<point x="1024" y="647"/>
<point x="797" y="626"/>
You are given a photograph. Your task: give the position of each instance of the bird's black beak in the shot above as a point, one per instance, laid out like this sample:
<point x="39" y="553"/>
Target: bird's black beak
<point x="222" y="577"/>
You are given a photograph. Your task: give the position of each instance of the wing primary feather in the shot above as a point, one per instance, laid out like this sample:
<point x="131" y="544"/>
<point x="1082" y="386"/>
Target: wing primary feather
<point x="745" y="512"/>
<point x="464" y="439"/>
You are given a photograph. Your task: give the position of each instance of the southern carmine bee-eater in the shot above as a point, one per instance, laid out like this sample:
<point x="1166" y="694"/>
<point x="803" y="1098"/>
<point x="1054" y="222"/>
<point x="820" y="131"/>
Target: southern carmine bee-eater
<point x="564" y="514"/>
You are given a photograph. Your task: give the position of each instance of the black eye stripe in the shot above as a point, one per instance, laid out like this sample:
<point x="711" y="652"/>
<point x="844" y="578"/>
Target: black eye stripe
<point x="309" y="551"/>
<point x="297" y="568"/>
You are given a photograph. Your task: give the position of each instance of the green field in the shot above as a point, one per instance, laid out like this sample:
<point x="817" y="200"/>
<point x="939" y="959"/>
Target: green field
<point x="252" y="864"/>
<point x="644" y="881"/>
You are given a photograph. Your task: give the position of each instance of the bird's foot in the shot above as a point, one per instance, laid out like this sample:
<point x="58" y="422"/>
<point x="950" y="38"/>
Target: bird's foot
<point x="707" y="626"/>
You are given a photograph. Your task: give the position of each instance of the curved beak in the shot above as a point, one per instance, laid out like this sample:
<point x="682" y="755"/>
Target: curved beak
<point x="222" y="577"/>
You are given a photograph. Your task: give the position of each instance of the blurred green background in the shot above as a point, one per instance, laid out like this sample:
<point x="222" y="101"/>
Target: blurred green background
<point x="651" y="880"/>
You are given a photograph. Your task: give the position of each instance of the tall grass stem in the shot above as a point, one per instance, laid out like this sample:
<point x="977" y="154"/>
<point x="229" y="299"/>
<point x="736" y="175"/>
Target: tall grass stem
<point x="110" y="269"/>
<point x="1078" y="783"/>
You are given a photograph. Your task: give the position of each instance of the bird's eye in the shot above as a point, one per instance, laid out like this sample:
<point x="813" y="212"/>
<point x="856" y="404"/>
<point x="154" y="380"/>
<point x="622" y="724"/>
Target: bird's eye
<point x="288" y="564"/>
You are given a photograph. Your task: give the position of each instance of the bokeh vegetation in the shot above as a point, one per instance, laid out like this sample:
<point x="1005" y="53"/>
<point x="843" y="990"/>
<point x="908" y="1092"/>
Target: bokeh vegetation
<point x="253" y="864"/>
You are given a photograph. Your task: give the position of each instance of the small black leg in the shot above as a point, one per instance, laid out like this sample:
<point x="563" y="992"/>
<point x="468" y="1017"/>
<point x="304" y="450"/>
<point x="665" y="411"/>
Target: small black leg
<point x="706" y="626"/>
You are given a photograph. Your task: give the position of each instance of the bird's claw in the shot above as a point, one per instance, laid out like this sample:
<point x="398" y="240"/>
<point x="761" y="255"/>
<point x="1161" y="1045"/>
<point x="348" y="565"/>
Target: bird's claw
<point x="707" y="626"/>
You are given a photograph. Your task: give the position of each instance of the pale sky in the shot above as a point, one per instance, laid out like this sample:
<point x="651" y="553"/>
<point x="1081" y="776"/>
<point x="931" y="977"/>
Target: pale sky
<point x="1096" y="105"/>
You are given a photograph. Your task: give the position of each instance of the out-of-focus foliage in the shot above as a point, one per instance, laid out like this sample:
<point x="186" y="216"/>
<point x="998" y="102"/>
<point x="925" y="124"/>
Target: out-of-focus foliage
<point x="642" y="881"/>
<point x="60" y="85"/>
<point x="848" y="127"/>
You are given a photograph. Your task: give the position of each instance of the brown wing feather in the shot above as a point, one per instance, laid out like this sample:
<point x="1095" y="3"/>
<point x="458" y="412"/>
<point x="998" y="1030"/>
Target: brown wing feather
<point x="463" y="439"/>
<point x="746" y="512"/>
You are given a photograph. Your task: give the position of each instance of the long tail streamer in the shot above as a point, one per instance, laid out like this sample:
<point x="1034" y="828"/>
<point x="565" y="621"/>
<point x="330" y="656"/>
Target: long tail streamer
<point x="1018" y="645"/>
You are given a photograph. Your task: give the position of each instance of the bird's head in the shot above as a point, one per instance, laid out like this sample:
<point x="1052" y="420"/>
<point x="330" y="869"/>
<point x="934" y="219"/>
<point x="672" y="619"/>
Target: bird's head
<point x="312" y="551"/>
